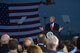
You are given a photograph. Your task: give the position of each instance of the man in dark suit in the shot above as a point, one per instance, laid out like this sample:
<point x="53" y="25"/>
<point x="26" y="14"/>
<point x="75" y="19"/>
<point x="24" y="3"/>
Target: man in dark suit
<point x="41" y="41"/>
<point x="52" y="26"/>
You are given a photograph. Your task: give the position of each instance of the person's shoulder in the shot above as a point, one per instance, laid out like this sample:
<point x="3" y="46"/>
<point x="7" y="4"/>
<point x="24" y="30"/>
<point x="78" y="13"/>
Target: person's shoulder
<point x="48" y="51"/>
<point x="48" y="24"/>
<point x="56" y="23"/>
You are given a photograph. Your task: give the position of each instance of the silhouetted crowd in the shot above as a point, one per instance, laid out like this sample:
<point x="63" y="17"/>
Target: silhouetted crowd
<point x="49" y="44"/>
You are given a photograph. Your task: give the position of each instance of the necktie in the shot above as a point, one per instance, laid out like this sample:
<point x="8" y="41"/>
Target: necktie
<point x="51" y="27"/>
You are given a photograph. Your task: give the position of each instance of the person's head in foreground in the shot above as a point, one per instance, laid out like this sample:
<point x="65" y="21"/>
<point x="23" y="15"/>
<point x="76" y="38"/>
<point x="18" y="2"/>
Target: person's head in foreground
<point x="41" y="38"/>
<point x="52" y="43"/>
<point x="19" y="49"/>
<point x="28" y="41"/>
<point x="34" y="49"/>
<point x="5" y="38"/>
<point x="60" y="47"/>
<point x="74" y="40"/>
<point x="78" y="43"/>
<point x="13" y="44"/>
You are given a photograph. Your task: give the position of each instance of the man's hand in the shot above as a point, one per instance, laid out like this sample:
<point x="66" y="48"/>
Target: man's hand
<point x="61" y="28"/>
<point x="41" y="28"/>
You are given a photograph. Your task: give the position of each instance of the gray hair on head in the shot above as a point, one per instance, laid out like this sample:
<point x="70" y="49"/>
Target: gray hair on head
<point x="52" y="42"/>
<point x="29" y="38"/>
<point x="5" y="38"/>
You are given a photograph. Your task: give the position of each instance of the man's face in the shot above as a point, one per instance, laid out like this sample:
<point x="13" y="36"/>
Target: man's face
<point x="51" y="19"/>
<point x="28" y="42"/>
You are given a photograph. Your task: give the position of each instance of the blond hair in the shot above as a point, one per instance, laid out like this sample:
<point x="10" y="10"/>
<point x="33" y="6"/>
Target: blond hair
<point x="34" y="49"/>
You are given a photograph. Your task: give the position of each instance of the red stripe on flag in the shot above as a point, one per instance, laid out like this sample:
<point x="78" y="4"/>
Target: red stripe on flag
<point x="25" y="10"/>
<point x="19" y="30"/>
<point x="28" y="16"/>
<point x="25" y="4"/>
<point x="25" y="23"/>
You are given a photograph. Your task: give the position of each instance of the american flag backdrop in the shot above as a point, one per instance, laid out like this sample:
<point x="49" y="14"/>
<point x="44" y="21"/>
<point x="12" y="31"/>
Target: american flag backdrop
<point x="30" y="26"/>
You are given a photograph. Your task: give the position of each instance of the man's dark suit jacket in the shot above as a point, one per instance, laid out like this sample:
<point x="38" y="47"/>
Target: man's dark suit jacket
<point x="55" y="29"/>
<point x="42" y="47"/>
<point x="4" y="48"/>
<point x="48" y="51"/>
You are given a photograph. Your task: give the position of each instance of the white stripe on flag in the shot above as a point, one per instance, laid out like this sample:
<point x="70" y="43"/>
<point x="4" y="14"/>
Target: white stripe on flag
<point x="23" y="13"/>
<point x="26" y="20"/>
<point x="22" y="33"/>
<point x="21" y="26"/>
<point x="23" y="7"/>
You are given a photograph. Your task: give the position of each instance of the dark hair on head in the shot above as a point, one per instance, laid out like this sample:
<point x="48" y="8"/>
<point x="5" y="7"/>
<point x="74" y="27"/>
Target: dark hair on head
<point x="41" y="38"/>
<point x="60" y="46"/>
<point x="78" y="43"/>
<point x="13" y="44"/>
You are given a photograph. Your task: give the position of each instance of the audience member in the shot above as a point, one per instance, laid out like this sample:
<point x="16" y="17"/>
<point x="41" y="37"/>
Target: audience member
<point x="51" y="44"/>
<point x="60" y="47"/>
<point x="41" y="41"/>
<point x="78" y="45"/>
<point x="4" y="43"/>
<point x="13" y="45"/>
<point x="74" y="43"/>
<point x="28" y="41"/>
<point x="34" y="49"/>
<point x="69" y="45"/>
<point x="19" y="49"/>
